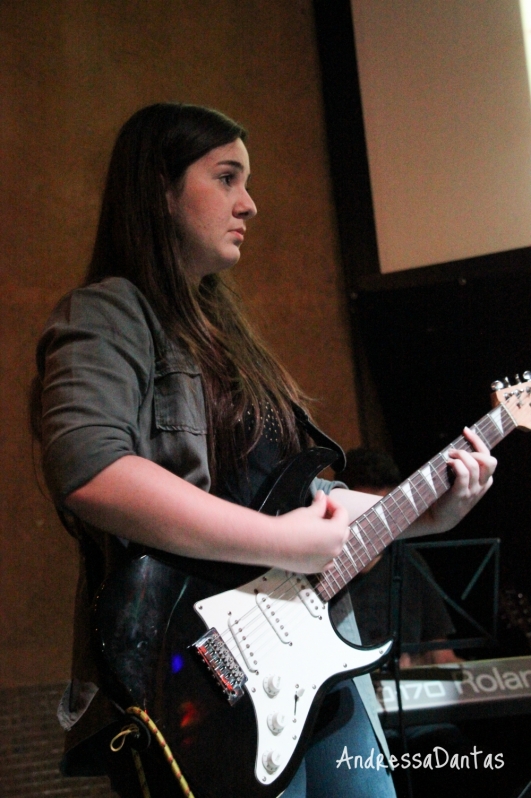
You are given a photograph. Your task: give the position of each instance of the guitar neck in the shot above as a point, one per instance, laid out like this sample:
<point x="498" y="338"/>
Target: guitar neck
<point x="372" y="532"/>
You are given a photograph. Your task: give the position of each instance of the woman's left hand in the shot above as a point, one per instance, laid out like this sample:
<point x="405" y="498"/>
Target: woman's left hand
<point x="473" y="477"/>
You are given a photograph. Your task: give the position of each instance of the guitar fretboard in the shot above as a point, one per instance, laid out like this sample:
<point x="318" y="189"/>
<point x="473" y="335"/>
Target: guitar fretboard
<point x="372" y="532"/>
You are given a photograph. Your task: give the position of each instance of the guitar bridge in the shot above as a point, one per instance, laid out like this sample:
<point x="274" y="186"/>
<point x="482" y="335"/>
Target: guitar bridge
<point x="212" y="649"/>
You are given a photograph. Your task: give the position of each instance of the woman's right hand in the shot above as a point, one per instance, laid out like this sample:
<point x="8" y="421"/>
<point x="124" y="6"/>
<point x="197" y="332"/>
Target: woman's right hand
<point x="311" y="537"/>
<point x="139" y="500"/>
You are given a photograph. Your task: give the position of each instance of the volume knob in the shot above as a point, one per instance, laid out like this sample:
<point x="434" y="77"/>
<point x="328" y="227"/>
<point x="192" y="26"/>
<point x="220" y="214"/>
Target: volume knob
<point x="272" y="685"/>
<point x="276" y="722"/>
<point x="271" y="761"/>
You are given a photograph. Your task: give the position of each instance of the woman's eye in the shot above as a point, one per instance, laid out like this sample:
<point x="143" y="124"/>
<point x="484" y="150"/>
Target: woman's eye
<point x="227" y="179"/>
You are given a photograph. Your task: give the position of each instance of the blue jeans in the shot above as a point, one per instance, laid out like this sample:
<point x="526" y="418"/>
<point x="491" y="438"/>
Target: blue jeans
<point x="330" y="768"/>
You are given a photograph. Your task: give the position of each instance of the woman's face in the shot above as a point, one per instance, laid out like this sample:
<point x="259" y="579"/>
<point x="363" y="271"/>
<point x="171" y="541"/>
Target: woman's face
<point x="212" y="207"/>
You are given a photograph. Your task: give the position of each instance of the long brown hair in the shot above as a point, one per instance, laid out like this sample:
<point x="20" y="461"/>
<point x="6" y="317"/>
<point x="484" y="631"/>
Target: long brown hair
<point x="138" y="239"/>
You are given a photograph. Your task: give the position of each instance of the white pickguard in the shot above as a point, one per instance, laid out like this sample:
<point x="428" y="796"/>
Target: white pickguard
<point x="289" y="638"/>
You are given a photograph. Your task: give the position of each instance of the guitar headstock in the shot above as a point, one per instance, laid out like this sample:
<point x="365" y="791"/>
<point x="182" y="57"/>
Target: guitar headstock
<point x="516" y="398"/>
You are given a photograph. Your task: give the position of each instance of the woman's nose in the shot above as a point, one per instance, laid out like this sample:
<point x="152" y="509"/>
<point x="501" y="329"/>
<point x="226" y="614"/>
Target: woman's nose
<point x="246" y="207"/>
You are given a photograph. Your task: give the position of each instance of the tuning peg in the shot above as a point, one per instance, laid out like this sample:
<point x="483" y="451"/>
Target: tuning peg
<point x="497" y="385"/>
<point x="517" y="379"/>
<point x="526" y="375"/>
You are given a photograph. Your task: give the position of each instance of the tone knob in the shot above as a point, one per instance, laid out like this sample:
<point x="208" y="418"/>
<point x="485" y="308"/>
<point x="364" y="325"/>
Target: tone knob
<point x="272" y="685"/>
<point x="276" y="722"/>
<point x="271" y="761"/>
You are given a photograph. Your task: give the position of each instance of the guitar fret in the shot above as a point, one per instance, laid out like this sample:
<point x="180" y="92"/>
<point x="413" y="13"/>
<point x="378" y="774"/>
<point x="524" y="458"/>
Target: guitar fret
<point x="405" y="490"/>
<point x="477" y="429"/>
<point x="374" y="530"/>
<point x="347" y="567"/>
<point x="441" y="468"/>
<point x="489" y="431"/>
<point x="347" y="553"/>
<point x="494" y="433"/>
<point x="360" y="547"/>
<point x="391" y="524"/>
<point x="406" y="510"/>
<point x="500" y="424"/>
<point x="355" y="552"/>
<point x="437" y="480"/>
<point x="357" y="543"/>
<point x="462" y="444"/>
<point x="507" y="421"/>
<point x="352" y="545"/>
<point x="347" y="561"/>
<point x="381" y="537"/>
<point x="338" y="583"/>
<point x="323" y="588"/>
<point x="414" y="482"/>
<point x="378" y="525"/>
<point x="426" y="475"/>
<point x="497" y="432"/>
<point x="347" y="572"/>
<point x="379" y="512"/>
<point x="408" y="507"/>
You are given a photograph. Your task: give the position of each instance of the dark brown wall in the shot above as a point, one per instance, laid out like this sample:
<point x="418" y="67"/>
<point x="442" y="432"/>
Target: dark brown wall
<point x="71" y="74"/>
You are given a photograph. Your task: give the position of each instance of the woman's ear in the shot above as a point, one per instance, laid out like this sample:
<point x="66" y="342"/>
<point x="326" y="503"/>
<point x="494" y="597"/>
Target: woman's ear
<point x="172" y="192"/>
<point x="172" y="201"/>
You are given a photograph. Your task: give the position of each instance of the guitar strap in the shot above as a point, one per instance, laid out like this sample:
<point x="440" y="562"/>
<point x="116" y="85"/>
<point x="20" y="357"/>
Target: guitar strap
<point x="319" y="437"/>
<point x="143" y="728"/>
<point x="91" y="553"/>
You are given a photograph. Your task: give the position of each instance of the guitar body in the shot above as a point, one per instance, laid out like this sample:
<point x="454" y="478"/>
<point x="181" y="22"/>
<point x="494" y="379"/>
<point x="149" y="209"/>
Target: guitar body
<point x="233" y="742"/>
<point x="233" y="662"/>
<point x="234" y="678"/>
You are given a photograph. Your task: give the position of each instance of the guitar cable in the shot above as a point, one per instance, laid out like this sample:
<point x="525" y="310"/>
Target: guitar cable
<point x="141" y="773"/>
<point x="119" y="740"/>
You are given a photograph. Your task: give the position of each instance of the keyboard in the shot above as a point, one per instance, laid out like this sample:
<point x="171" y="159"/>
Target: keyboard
<point x="468" y="690"/>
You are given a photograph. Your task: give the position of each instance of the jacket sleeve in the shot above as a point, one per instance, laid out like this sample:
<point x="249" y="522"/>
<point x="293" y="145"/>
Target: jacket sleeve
<point x="325" y="485"/>
<point x="95" y="358"/>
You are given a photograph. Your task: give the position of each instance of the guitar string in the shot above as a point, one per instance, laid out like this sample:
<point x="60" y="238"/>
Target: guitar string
<point x="425" y="493"/>
<point x="418" y="483"/>
<point x="255" y="615"/>
<point x="437" y="466"/>
<point x="376" y="523"/>
<point x="264" y="638"/>
<point x="364" y="557"/>
<point x="353" y="544"/>
<point x="373" y="520"/>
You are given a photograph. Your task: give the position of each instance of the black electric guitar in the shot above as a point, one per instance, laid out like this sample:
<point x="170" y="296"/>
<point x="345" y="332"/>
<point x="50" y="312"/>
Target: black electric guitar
<point x="234" y="674"/>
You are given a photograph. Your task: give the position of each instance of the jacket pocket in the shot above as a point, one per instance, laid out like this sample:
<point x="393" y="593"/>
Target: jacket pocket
<point x="178" y="396"/>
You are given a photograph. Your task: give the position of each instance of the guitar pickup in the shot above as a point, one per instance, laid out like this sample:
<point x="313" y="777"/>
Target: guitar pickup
<point x="274" y="610"/>
<point x="213" y="650"/>
<point x="309" y="597"/>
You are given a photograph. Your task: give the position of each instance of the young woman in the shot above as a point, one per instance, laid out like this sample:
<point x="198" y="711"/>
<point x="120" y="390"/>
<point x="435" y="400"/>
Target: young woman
<point x="163" y="414"/>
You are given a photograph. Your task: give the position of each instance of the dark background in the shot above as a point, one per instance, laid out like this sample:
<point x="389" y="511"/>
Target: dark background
<point x="430" y="341"/>
<point x="427" y="344"/>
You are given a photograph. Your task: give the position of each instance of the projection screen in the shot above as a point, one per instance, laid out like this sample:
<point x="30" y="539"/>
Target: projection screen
<point x="447" y="115"/>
